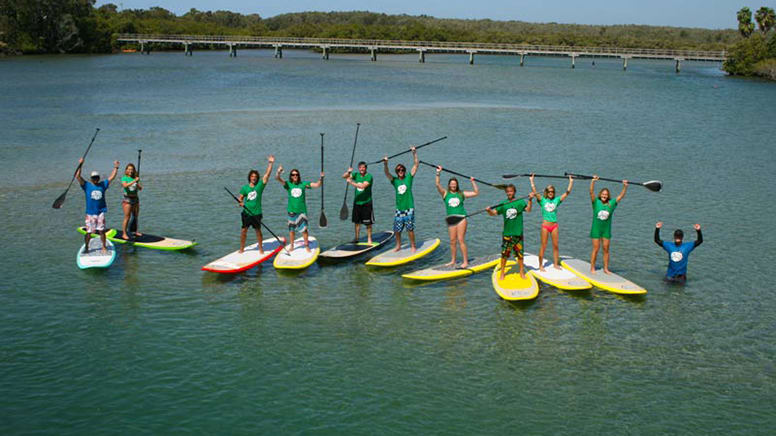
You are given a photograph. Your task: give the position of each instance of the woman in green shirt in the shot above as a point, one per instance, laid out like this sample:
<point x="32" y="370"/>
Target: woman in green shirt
<point x="456" y="215"/>
<point x="131" y="202"/>
<point x="297" y="205"/>
<point x="549" y="204"/>
<point x="601" y="230"/>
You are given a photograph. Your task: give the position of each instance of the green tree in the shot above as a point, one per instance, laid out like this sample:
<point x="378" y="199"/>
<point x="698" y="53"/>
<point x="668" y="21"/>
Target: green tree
<point x="766" y="19"/>
<point x="745" y="25"/>
<point x="745" y="54"/>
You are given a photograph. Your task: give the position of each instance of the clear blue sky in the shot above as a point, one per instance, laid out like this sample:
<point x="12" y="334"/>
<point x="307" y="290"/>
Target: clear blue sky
<point x="715" y="14"/>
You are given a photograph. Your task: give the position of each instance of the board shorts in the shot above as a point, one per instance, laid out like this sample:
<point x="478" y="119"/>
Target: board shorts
<point x="601" y="229"/>
<point x="95" y="223"/>
<point x="251" y="220"/>
<point x="363" y="214"/>
<point x="511" y="244"/>
<point x="297" y="222"/>
<point x="404" y="220"/>
<point x="131" y="200"/>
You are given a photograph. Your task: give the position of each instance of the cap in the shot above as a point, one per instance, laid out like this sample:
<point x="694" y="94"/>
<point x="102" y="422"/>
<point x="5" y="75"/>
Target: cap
<point x="95" y="174"/>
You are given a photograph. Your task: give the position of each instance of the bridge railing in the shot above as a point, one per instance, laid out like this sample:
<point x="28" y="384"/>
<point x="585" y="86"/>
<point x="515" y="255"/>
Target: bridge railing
<point x="434" y="45"/>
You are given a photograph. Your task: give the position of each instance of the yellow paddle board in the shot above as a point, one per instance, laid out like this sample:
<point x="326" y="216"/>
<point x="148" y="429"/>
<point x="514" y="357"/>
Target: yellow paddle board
<point x="444" y="272"/>
<point x="299" y="257"/>
<point x="608" y="282"/>
<point x="512" y="287"/>
<point x="404" y="255"/>
<point x="560" y="278"/>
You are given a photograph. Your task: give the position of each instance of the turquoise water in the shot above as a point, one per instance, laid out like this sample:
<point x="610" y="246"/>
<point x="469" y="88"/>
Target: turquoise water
<point x="155" y="345"/>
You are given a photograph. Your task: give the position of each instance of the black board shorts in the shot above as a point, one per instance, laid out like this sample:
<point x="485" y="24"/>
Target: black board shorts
<point x="363" y="214"/>
<point x="251" y="221"/>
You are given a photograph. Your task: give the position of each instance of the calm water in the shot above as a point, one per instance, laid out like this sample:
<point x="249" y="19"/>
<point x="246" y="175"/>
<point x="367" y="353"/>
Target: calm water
<point x="155" y="345"/>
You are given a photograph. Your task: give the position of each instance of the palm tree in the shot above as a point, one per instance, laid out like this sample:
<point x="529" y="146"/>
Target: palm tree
<point x="766" y="19"/>
<point x="745" y="25"/>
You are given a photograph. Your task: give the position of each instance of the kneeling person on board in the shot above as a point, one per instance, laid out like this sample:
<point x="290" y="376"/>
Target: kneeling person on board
<point x="362" y="203"/>
<point x="95" y="203"/>
<point x="250" y="202"/>
<point x="297" y="205"/>
<point x="404" y="218"/>
<point x="512" y="236"/>
<point x="453" y="198"/>
<point x="678" y="252"/>
<point x="601" y="230"/>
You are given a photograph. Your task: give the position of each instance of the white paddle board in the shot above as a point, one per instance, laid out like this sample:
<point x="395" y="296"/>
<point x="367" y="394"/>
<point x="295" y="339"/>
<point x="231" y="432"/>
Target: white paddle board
<point x="561" y="278"/>
<point x="96" y="257"/>
<point x="608" y="282"/>
<point x="236" y="262"/>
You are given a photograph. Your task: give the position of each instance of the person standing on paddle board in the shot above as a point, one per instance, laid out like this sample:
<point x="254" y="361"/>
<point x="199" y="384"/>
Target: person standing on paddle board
<point x="297" y="204"/>
<point x="601" y="230"/>
<point x="96" y="207"/>
<point x="362" y="203"/>
<point x="404" y="218"/>
<point x="549" y="203"/>
<point x="131" y="202"/>
<point x="678" y="252"/>
<point x="250" y="202"/>
<point x="456" y="215"/>
<point x="512" y="236"/>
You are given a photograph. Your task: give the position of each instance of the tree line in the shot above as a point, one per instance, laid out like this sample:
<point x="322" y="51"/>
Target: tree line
<point x="755" y="53"/>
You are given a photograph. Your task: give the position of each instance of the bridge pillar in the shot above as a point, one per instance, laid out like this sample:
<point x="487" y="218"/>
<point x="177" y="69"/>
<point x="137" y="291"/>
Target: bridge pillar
<point x="232" y="50"/>
<point x="325" y="55"/>
<point x="624" y="64"/>
<point x="522" y="59"/>
<point x="422" y="56"/>
<point x="373" y="52"/>
<point x="187" y="50"/>
<point x="279" y="52"/>
<point x="678" y="65"/>
<point x="142" y="47"/>
<point x="573" y="58"/>
<point x="471" y="58"/>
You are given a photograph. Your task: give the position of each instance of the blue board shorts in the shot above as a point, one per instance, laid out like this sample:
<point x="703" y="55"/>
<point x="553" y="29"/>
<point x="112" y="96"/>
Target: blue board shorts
<point x="404" y="220"/>
<point x="297" y="222"/>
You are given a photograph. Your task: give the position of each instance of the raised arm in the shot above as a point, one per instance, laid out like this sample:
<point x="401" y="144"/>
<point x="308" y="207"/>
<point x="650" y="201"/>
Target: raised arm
<point x="318" y="183"/>
<point x="385" y="169"/>
<point x="270" y="162"/>
<point x="530" y="202"/>
<point x="277" y="175"/>
<point x="533" y="187"/>
<point x="475" y="190"/>
<point x="592" y="187"/>
<point x="81" y="180"/>
<point x="114" y="172"/>
<point x="698" y="241"/>
<point x="438" y="186"/>
<point x="568" y="190"/>
<point x="416" y="161"/>
<point x="622" y="193"/>
<point x="658" y="241"/>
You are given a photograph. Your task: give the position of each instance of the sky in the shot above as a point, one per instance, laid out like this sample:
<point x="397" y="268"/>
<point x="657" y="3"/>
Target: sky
<point x="713" y="14"/>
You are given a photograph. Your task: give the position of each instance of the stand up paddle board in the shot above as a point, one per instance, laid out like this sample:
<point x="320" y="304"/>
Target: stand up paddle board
<point x="236" y="262"/>
<point x="96" y="258"/>
<point x="147" y="240"/>
<point x="353" y="249"/>
<point x="404" y="255"/>
<point x="445" y="272"/>
<point x="560" y="278"/>
<point x="608" y="282"/>
<point x="514" y="288"/>
<point x="299" y="258"/>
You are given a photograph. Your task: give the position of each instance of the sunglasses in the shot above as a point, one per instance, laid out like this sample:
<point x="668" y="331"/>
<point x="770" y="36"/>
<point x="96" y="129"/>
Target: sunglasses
<point x="400" y="170"/>
<point x="294" y="174"/>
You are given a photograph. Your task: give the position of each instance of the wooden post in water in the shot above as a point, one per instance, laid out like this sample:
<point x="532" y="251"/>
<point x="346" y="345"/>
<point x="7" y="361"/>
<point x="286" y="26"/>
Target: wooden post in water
<point x="678" y="65"/>
<point x="232" y="50"/>
<point x="624" y="63"/>
<point x="573" y="57"/>
<point x="522" y="59"/>
<point x="373" y="52"/>
<point x="279" y="51"/>
<point x="422" y="56"/>
<point x="187" y="49"/>
<point x="325" y="55"/>
<point x="471" y="58"/>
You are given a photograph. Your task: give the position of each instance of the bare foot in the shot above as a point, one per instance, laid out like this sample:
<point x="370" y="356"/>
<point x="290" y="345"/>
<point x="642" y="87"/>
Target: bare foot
<point x="501" y="277"/>
<point x="450" y="263"/>
<point x="541" y="268"/>
<point x="124" y="236"/>
<point x="522" y="275"/>
<point x="465" y="265"/>
<point x="557" y="267"/>
<point x="104" y="250"/>
<point x="413" y="250"/>
<point x="240" y="251"/>
<point x="606" y="271"/>
<point x="397" y="249"/>
<point x="261" y="251"/>
<point x="592" y="270"/>
<point x="138" y="234"/>
<point x="369" y="242"/>
<point x="307" y="248"/>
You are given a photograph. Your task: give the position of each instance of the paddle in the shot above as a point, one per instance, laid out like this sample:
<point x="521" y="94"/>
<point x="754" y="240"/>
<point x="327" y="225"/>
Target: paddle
<point x="407" y="151"/>
<point x="344" y="211"/>
<point x="322" y="223"/>
<point x="502" y="187"/>
<point x="544" y="176"/>
<point x="133" y="218"/>
<point x="652" y="185"/>
<point x="453" y="220"/>
<point x="61" y="199"/>
<point x="262" y="223"/>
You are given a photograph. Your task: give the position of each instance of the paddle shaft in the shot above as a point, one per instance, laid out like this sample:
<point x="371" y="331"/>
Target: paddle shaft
<point x="602" y="178"/>
<point x="544" y="176"/>
<point x="496" y="205"/>
<point x="352" y="156"/>
<point x="322" y="222"/>
<point x="407" y="151"/>
<point x="458" y="174"/>
<point x="262" y="223"/>
<point x="61" y="199"/>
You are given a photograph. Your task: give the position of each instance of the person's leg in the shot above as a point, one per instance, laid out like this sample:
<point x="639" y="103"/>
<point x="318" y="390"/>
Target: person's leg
<point x="259" y="238"/>
<point x="243" y="234"/>
<point x="306" y="236"/>
<point x="462" y="243"/>
<point x="89" y="227"/>
<point x="291" y="239"/>
<point x="503" y="264"/>
<point x="519" y="256"/>
<point x="555" y="251"/>
<point x="136" y="212"/>
<point x="101" y="229"/>
<point x="412" y="240"/>
<point x="543" y="248"/>
<point x="369" y="234"/>
<point x="594" y="253"/>
<point x="104" y="241"/>
<point x="606" y="255"/>
<point x="398" y="227"/>
<point x="127" y="209"/>
<point x="505" y="248"/>
<point x="358" y="232"/>
<point x="411" y="229"/>
<point x="453" y="234"/>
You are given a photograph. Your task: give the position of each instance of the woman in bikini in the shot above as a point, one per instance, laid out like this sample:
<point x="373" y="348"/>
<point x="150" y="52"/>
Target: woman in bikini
<point x="131" y="202"/>
<point x="549" y="204"/>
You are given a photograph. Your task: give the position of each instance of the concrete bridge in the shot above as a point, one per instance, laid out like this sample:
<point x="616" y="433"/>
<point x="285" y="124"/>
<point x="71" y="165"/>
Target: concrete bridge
<point x="325" y="45"/>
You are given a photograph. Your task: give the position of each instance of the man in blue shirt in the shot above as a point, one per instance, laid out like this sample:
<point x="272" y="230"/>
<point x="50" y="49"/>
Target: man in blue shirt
<point x="678" y="252"/>
<point x="95" y="202"/>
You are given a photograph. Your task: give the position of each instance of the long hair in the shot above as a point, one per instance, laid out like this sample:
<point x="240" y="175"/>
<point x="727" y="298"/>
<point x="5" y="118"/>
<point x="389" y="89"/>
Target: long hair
<point x="292" y="171"/>
<point x="608" y="196"/>
<point x="547" y="189"/>
<point x="134" y="170"/>
<point x="457" y="185"/>
<point x="252" y="172"/>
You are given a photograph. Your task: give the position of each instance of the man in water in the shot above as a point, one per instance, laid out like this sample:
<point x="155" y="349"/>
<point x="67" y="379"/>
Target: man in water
<point x="678" y="252"/>
<point x="95" y="203"/>
<point x="362" y="202"/>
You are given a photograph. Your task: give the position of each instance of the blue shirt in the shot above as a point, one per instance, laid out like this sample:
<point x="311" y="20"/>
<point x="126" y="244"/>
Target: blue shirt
<point x="95" y="197"/>
<point x="677" y="257"/>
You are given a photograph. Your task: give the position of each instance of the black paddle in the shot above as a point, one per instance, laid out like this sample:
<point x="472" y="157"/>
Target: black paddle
<point x="133" y="218"/>
<point x="61" y="199"/>
<point x="262" y="222"/>
<point x="322" y="223"/>
<point x="652" y="185"/>
<point x="407" y="151"/>
<point x="544" y="176"/>
<point x="453" y="220"/>
<point x="344" y="210"/>
<point x="502" y="187"/>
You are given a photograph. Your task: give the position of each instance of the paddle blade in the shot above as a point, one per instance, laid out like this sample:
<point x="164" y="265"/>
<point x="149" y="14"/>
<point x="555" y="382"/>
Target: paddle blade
<point x="510" y="176"/>
<point x="323" y="223"/>
<point x="59" y="201"/>
<point x="653" y="185"/>
<point x="344" y="212"/>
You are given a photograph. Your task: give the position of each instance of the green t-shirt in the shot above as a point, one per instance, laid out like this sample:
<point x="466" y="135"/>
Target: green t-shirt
<point x="549" y="208"/>
<point x="363" y="196"/>
<point x="403" y="187"/>
<point x="603" y="212"/>
<point x="129" y="191"/>
<point x="252" y="198"/>
<point x="513" y="217"/>
<point x="296" y="196"/>
<point x="454" y="204"/>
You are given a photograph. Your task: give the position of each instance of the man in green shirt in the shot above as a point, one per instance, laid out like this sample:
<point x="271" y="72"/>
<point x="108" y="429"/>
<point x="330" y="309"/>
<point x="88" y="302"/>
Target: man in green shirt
<point x="362" y="202"/>
<point x="297" y="205"/>
<point x="512" y="236"/>
<point x="404" y="218"/>
<point x="250" y="201"/>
